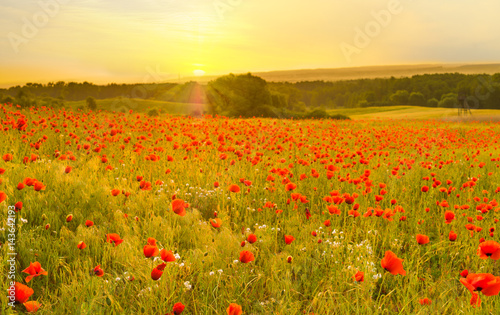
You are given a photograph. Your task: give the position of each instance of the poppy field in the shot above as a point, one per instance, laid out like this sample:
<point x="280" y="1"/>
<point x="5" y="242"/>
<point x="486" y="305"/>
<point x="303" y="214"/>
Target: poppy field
<point x="122" y="213"/>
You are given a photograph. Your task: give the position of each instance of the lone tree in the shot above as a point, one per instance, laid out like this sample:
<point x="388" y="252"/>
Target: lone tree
<point x="240" y="95"/>
<point x="91" y="103"/>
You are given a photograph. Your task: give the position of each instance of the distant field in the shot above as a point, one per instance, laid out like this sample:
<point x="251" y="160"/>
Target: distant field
<point x="386" y="112"/>
<point x="365" y="72"/>
<point x="414" y="112"/>
<point x="140" y="105"/>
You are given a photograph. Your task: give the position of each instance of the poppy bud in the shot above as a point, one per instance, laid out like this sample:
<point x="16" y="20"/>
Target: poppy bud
<point x="69" y="217"/>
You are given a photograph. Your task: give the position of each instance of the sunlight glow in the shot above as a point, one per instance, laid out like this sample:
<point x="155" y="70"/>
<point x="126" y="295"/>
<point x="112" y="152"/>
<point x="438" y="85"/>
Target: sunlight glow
<point x="199" y="73"/>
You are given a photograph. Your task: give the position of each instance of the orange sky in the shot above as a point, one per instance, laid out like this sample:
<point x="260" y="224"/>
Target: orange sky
<point x="159" y="40"/>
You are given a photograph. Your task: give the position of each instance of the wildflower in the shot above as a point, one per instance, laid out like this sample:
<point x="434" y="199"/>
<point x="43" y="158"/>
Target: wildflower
<point x="359" y="276"/>
<point x="489" y="249"/>
<point x="34" y="270"/>
<point x="179" y="207"/>
<point x="246" y="256"/>
<point x="289" y="239"/>
<point x="81" y="245"/>
<point x="167" y="256"/>
<point x="22" y="292"/>
<point x="114" y="238"/>
<point x="422" y="239"/>
<point x="234" y="309"/>
<point x="98" y="271"/>
<point x="393" y="264"/>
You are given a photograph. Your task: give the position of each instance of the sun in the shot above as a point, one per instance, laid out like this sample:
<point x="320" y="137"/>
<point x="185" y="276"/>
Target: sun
<point x="199" y="73"/>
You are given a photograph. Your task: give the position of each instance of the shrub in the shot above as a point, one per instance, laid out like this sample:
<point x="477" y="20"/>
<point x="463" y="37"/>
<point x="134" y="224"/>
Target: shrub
<point x="153" y="112"/>
<point x="432" y="102"/>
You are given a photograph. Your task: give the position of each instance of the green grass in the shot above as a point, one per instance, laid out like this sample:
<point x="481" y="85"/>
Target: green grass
<point x="139" y="105"/>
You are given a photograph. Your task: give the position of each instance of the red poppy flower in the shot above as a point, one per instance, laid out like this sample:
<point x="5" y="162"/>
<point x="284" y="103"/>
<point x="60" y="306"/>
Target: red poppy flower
<point x="98" y="271"/>
<point x="81" y="245"/>
<point x="32" y="306"/>
<point x="234" y="188"/>
<point x="422" y="239"/>
<point x="475" y="301"/>
<point x="393" y="264"/>
<point x="144" y="185"/>
<point x="167" y="255"/>
<point x="157" y="271"/>
<point x="3" y="196"/>
<point x="89" y="223"/>
<point x="425" y="301"/>
<point x="22" y="292"/>
<point x="39" y="186"/>
<point x="216" y="223"/>
<point x="489" y="249"/>
<point x="34" y="270"/>
<point x="290" y="186"/>
<point x="449" y="216"/>
<point x="252" y="238"/>
<point x="151" y="250"/>
<point x="113" y="238"/>
<point x="289" y="239"/>
<point x="333" y="209"/>
<point x="29" y="181"/>
<point x="178" y="308"/>
<point x="485" y="283"/>
<point x="452" y="236"/>
<point x="179" y="207"/>
<point x="67" y="169"/>
<point x="234" y="309"/>
<point x="18" y="206"/>
<point x="7" y="157"/>
<point x="359" y="276"/>
<point x="246" y="256"/>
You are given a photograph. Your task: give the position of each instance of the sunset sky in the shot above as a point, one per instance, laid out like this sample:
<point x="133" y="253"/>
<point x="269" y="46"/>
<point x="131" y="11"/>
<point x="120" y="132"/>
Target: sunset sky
<point x="158" y="40"/>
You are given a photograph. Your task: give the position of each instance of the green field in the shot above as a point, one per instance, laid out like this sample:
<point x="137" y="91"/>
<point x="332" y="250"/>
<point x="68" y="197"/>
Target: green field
<point x="414" y="112"/>
<point x="139" y="105"/>
<point x="386" y="112"/>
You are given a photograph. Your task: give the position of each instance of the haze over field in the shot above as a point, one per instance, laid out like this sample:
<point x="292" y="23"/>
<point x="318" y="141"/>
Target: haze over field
<point x="159" y="40"/>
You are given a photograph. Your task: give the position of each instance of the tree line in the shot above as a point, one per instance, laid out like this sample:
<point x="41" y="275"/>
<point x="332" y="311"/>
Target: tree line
<point x="248" y="95"/>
